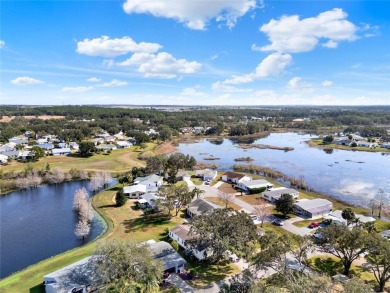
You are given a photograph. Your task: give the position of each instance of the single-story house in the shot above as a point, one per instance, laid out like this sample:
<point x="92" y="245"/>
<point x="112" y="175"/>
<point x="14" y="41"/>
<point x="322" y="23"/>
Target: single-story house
<point x="25" y="155"/>
<point x="74" y="146"/>
<point x="97" y="140"/>
<point x="9" y="147"/>
<point x="12" y="154"/>
<point x="19" y="139"/>
<point x="313" y="207"/>
<point x="233" y="177"/>
<point x="343" y="141"/>
<point x="134" y="191"/>
<point x="42" y="140"/>
<point x="151" y="180"/>
<point x="46" y="146"/>
<point x="119" y="135"/>
<point x="367" y="144"/>
<point x="337" y="218"/>
<point x="198" y="129"/>
<point x="275" y="193"/>
<point x="254" y="184"/>
<point x="58" y="152"/>
<point x="181" y="234"/>
<point x="183" y="175"/>
<point x="123" y="144"/>
<point x="164" y="252"/>
<point x="201" y="206"/>
<point x="106" y="147"/>
<point x="386" y="145"/>
<point x="74" y="276"/>
<point x="210" y="175"/>
<point x="3" y="159"/>
<point x="148" y="200"/>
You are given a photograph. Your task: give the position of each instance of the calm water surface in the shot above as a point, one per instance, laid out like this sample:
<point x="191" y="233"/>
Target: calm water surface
<point x="352" y="176"/>
<point x="39" y="223"/>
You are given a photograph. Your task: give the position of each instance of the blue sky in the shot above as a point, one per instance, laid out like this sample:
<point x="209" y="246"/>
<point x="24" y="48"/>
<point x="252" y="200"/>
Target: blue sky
<point x="195" y="52"/>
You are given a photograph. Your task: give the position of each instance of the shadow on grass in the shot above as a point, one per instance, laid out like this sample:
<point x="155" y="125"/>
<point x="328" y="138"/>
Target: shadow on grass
<point x="114" y="188"/>
<point x="38" y="289"/>
<point x="328" y="265"/>
<point x="108" y="206"/>
<point x="145" y="222"/>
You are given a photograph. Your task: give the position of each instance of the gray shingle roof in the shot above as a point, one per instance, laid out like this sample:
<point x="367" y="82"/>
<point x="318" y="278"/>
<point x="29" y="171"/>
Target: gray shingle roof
<point x="201" y="206"/>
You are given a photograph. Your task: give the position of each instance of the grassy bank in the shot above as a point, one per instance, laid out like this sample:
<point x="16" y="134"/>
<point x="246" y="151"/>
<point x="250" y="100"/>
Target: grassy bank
<point x="330" y="146"/>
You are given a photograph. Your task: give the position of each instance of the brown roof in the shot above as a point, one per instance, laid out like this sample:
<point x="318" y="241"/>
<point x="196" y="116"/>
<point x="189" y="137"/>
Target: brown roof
<point x="232" y="175"/>
<point x="183" y="232"/>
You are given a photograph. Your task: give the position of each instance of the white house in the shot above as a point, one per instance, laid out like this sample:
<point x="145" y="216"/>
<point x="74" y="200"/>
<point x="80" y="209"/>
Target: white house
<point x="233" y="177"/>
<point x="21" y="139"/>
<point x="275" y="193"/>
<point x="148" y="200"/>
<point x="7" y="148"/>
<point x="313" y="207"/>
<point x="134" y="191"/>
<point x="367" y="144"/>
<point x="106" y="147"/>
<point x="208" y="175"/>
<point x="337" y="218"/>
<point x="151" y="180"/>
<point x="74" y="146"/>
<point x="124" y="144"/>
<point x="200" y="206"/>
<point x="164" y="252"/>
<point x="58" y="152"/>
<point x="386" y="145"/>
<point x="254" y="184"/>
<point x="3" y="159"/>
<point x="74" y="276"/>
<point x="182" y="234"/>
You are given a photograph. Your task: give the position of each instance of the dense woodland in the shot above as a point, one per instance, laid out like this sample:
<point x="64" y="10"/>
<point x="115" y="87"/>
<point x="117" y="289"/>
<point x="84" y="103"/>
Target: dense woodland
<point x="81" y="122"/>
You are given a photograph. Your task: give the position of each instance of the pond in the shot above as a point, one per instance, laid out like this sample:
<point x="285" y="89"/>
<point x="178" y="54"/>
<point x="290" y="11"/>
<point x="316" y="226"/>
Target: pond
<point x="39" y="223"/>
<point x="352" y="176"/>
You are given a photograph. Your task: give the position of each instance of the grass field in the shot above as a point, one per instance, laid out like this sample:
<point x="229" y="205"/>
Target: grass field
<point x="222" y="204"/>
<point x="319" y="143"/>
<point x="118" y="161"/>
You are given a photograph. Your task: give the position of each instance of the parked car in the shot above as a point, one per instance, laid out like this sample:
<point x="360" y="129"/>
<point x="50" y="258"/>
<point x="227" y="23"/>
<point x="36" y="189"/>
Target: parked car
<point x="207" y="183"/>
<point x="278" y="222"/>
<point x="326" y="222"/>
<point x="314" y="225"/>
<point x="253" y="217"/>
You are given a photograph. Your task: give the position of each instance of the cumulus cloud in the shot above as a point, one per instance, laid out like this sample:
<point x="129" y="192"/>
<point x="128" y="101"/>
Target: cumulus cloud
<point x="114" y="82"/>
<point x="77" y="89"/>
<point x="219" y="86"/>
<point x="106" y="47"/>
<point x="2" y="44"/>
<point x="327" y="83"/>
<point x="162" y="65"/>
<point x="298" y="84"/>
<point x="93" y="79"/>
<point x="194" y="14"/>
<point x="289" y="34"/>
<point x="192" y="91"/>
<point x="25" y="80"/>
<point x="272" y="65"/>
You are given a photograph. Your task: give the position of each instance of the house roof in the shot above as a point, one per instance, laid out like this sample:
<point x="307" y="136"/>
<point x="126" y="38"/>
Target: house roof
<point x="150" y="197"/>
<point x="201" y="206"/>
<point x="385" y="233"/>
<point x="364" y="219"/>
<point x="134" y="188"/>
<point x="258" y="182"/>
<point x="183" y="232"/>
<point x="60" y="151"/>
<point x="276" y="193"/>
<point x="314" y="205"/>
<point x="151" y="179"/>
<point x="161" y="248"/>
<point x="232" y="175"/>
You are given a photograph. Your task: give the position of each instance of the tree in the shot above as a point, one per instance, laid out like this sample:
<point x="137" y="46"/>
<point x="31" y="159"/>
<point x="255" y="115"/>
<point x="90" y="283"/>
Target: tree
<point x="222" y="230"/>
<point x="82" y="229"/>
<point x="175" y="197"/>
<point x="345" y="244"/>
<point x="328" y="139"/>
<point x="86" y="148"/>
<point x="125" y="266"/>
<point x="379" y="260"/>
<point x="79" y="198"/>
<point x="285" y="204"/>
<point x="225" y="197"/>
<point x="56" y="176"/>
<point x="261" y="211"/>
<point x="349" y="215"/>
<point x="197" y="192"/>
<point x="355" y="285"/>
<point x="106" y="177"/>
<point x="156" y="164"/>
<point x="97" y="182"/>
<point x="37" y="153"/>
<point x="120" y="198"/>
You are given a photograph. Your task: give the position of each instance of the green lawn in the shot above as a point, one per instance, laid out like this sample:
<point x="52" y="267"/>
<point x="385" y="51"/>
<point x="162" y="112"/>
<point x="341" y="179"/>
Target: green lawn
<point x="305" y="223"/>
<point x="318" y="142"/>
<point x="381" y="226"/>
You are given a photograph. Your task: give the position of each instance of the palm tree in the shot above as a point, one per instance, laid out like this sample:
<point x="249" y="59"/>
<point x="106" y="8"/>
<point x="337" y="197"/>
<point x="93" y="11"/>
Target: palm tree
<point x="349" y="215"/>
<point x="197" y="192"/>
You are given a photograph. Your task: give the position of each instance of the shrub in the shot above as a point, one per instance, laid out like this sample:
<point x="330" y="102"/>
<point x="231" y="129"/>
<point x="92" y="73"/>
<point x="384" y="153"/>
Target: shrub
<point x="257" y="190"/>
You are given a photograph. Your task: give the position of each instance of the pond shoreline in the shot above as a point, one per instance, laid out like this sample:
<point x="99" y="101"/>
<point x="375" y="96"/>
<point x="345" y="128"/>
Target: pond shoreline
<point x="312" y="143"/>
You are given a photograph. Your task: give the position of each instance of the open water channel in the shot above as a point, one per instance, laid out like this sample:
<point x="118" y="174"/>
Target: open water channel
<point x="38" y="223"/>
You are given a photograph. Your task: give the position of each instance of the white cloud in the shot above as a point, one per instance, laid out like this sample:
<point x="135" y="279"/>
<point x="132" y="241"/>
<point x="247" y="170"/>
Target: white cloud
<point x="327" y="83"/>
<point x="219" y="86"/>
<point x="106" y="47"/>
<point x="162" y="65"/>
<point x="77" y="89"/>
<point x="93" y="79"/>
<point x="2" y="44"/>
<point x="192" y="91"/>
<point x="272" y="65"/>
<point x="298" y="84"/>
<point x="114" y="82"/>
<point x="194" y="14"/>
<point x="289" y="34"/>
<point x="25" y="80"/>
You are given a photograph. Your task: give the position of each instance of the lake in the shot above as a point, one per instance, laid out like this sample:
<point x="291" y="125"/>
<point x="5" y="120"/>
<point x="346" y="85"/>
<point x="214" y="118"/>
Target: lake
<point x="39" y="223"/>
<point x="351" y="176"/>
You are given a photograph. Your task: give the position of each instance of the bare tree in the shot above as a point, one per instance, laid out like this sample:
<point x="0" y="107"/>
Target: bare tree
<point x="261" y="211"/>
<point x="107" y="178"/>
<point x="225" y="197"/>
<point x="97" y="182"/>
<point x="383" y="202"/>
<point x="22" y="183"/>
<point x="56" y="176"/>
<point x="79" y="198"/>
<point x="68" y="177"/>
<point x="82" y="229"/>
<point x="83" y="175"/>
